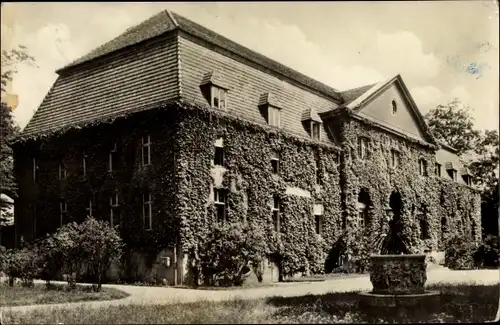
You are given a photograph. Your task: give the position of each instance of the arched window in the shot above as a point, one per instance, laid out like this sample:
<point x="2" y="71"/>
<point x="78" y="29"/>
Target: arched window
<point x="394" y="107"/>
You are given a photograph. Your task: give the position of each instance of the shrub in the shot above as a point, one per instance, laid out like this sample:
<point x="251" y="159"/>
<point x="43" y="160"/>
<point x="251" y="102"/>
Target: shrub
<point x="229" y="253"/>
<point x="459" y="254"/>
<point x="22" y="264"/>
<point x="51" y="258"/>
<point x="486" y="255"/>
<point x="99" y="245"/>
<point x="3" y="251"/>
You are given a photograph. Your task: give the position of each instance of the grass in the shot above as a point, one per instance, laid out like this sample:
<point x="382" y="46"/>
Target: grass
<point x="462" y="303"/>
<point x="56" y="293"/>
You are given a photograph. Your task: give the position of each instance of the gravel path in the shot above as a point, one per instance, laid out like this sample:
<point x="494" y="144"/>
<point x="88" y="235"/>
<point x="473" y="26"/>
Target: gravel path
<point x="165" y="295"/>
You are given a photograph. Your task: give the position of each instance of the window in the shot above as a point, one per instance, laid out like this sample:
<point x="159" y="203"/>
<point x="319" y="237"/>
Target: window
<point x="437" y="169"/>
<point x="318" y="218"/>
<point x="362" y="147"/>
<point x="112" y="154"/>
<point x="62" y="172"/>
<point x="147" y="218"/>
<point x="89" y="208"/>
<point x="275" y="162"/>
<point x="114" y="217"/>
<point x="443" y="227"/>
<point x="453" y="174"/>
<point x="421" y="167"/>
<point x="146" y="150"/>
<point x="276" y="214"/>
<point x="84" y="164"/>
<point x="394" y="107"/>
<point x="273" y="117"/>
<point x="362" y="214"/>
<point x="219" y="153"/>
<point x="218" y="97"/>
<point x="394" y="158"/>
<point x="63" y="209"/>
<point x="220" y="204"/>
<point x="315" y="131"/>
<point x="35" y="170"/>
<point x="467" y="179"/>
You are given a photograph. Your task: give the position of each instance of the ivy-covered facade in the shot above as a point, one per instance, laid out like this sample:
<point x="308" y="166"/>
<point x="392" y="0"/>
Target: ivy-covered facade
<point x="196" y="130"/>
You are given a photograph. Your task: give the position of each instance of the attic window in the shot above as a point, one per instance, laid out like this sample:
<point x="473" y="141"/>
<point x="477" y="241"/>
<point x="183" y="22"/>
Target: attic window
<point x="394" y="107"/>
<point x="217" y="97"/>
<point x="273" y="116"/>
<point x="467" y="179"/>
<point x="315" y="131"/>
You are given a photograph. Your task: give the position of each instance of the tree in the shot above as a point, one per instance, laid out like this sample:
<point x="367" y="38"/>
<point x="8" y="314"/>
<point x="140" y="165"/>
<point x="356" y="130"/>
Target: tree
<point x="452" y="124"/>
<point x="10" y="60"/>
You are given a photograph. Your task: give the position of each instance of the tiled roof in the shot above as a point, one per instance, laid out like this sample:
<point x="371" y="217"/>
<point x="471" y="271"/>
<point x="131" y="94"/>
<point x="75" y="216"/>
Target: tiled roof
<point x="167" y="21"/>
<point x="270" y="99"/>
<point x="351" y="94"/>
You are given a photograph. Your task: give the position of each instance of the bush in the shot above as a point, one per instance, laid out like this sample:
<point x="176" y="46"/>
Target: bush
<point x="486" y="255"/>
<point x="459" y="254"/>
<point x="3" y="251"/>
<point x="22" y="264"/>
<point x="230" y="252"/>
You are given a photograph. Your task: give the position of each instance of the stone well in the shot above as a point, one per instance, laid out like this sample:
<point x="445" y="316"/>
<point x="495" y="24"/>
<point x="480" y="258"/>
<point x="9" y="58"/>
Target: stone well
<point x="398" y="280"/>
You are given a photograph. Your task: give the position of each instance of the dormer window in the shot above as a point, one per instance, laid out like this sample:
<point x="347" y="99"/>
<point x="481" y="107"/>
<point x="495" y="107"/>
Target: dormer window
<point x="422" y="167"/>
<point x="394" y="106"/>
<point x="217" y="97"/>
<point x="467" y="179"/>
<point x="273" y="116"/>
<point x="214" y="90"/>
<point x="315" y="131"/>
<point x="451" y="170"/>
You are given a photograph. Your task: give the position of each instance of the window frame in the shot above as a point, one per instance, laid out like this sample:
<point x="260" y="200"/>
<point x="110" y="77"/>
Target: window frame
<point x="149" y="204"/>
<point x="220" y="200"/>
<point x="275" y="162"/>
<point x="437" y="169"/>
<point x="84" y="164"/>
<point x="111" y="155"/>
<point x="63" y="209"/>
<point x="422" y="164"/>
<point x="316" y="137"/>
<point x="273" y="116"/>
<point x="89" y="207"/>
<point x="35" y="170"/>
<point x="146" y="145"/>
<point x="362" y="148"/>
<point x="215" y="90"/>
<point x="318" y="219"/>
<point x="62" y="172"/>
<point x="276" y="213"/>
<point x="219" y="147"/>
<point x="395" y="158"/>
<point x="394" y="107"/>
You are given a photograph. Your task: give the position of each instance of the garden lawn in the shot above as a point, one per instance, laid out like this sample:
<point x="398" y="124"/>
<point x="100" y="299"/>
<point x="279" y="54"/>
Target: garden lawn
<point x="459" y="303"/>
<point x="57" y="293"/>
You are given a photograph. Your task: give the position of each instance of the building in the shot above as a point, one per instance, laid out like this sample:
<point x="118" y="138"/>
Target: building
<point x="170" y="127"/>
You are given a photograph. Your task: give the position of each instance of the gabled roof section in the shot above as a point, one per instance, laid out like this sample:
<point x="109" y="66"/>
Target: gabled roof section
<point x="167" y="21"/>
<point x="214" y="78"/>
<point x="367" y="93"/>
<point x="310" y="114"/>
<point x="270" y="99"/>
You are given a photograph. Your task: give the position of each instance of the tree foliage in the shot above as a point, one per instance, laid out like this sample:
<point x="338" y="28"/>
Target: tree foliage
<point x="10" y="60"/>
<point x="452" y="124"/>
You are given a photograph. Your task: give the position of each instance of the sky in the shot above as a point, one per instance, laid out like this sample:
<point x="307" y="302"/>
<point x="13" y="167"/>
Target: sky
<point x="442" y="49"/>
